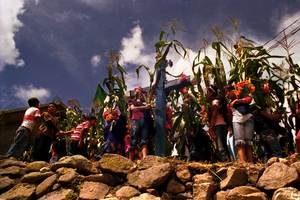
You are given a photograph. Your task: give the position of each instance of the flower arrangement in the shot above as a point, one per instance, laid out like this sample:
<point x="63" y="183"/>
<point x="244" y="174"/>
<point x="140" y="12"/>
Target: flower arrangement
<point x="243" y="88"/>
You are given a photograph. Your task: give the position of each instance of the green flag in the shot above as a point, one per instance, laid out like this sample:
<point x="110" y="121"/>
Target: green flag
<point x="99" y="97"/>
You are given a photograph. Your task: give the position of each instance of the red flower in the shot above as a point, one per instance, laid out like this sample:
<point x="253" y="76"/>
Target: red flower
<point x="265" y="88"/>
<point x="184" y="90"/>
<point x="183" y="77"/>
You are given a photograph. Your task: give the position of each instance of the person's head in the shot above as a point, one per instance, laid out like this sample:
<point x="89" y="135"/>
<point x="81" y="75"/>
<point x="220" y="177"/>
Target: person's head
<point x="92" y="119"/>
<point x="51" y="108"/>
<point x="33" y="102"/>
<point x="138" y="90"/>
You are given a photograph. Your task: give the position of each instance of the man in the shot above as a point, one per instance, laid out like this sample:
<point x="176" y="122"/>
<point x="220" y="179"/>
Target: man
<point x="46" y="134"/>
<point x="79" y="133"/>
<point x="25" y="130"/>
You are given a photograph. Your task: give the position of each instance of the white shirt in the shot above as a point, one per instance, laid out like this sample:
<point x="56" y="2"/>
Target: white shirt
<point x="30" y="118"/>
<point x="238" y="117"/>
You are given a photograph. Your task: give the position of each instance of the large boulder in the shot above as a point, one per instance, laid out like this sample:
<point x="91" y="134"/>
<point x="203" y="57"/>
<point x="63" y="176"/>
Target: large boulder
<point x="11" y="162"/>
<point x="46" y="185"/>
<point x="36" y="166"/>
<point x="19" y="191"/>
<point x="127" y="192"/>
<point x="235" y="177"/>
<point x="276" y="176"/>
<point x="67" y="175"/>
<point x="93" y="191"/>
<point x="63" y="194"/>
<point x="204" y="187"/>
<point x="246" y="192"/>
<point x="5" y="183"/>
<point x="11" y="171"/>
<point x="35" y="177"/>
<point x="287" y="193"/>
<point x="78" y="162"/>
<point x="152" y="177"/>
<point x="116" y="164"/>
<point x="183" y="173"/>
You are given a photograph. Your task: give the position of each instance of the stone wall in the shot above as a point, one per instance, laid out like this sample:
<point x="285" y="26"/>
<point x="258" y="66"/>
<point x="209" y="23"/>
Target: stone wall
<point x="114" y="177"/>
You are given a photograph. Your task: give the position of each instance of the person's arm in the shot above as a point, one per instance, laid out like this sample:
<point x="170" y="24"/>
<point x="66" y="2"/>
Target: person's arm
<point x="133" y="107"/>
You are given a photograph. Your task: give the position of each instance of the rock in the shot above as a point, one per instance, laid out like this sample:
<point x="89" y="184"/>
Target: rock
<point x="203" y="187"/>
<point x="116" y="164"/>
<point x="19" y="191"/>
<point x="175" y="187"/>
<point x="276" y="176"/>
<point x="93" y="191"/>
<point x="254" y="173"/>
<point x="35" y="177"/>
<point x="11" y="171"/>
<point x="222" y="195"/>
<point x="78" y="162"/>
<point x="151" y="177"/>
<point x="145" y="196"/>
<point x="297" y="166"/>
<point x="45" y="169"/>
<point x="105" y="178"/>
<point x="36" y="166"/>
<point x="46" y="185"/>
<point x="184" y="174"/>
<point x="272" y="160"/>
<point x="294" y="158"/>
<point x="67" y="175"/>
<point x="64" y="194"/>
<point x="5" y="183"/>
<point x="203" y="178"/>
<point x="127" y="192"/>
<point x="287" y="193"/>
<point x="11" y="162"/>
<point x="284" y="161"/>
<point x="246" y="192"/>
<point x="152" y="191"/>
<point x="186" y="195"/>
<point x="235" y="177"/>
<point x="150" y="161"/>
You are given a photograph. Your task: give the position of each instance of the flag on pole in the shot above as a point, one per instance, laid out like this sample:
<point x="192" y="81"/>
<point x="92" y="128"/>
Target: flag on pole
<point x="99" y="97"/>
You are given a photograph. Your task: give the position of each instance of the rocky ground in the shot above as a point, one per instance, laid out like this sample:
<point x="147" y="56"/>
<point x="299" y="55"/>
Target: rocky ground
<point x="115" y="177"/>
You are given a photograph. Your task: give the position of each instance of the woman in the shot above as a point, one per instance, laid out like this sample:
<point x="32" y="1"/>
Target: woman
<point x="243" y="125"/>
<point x="139" y="131"/>
<point x="217" y="122"/>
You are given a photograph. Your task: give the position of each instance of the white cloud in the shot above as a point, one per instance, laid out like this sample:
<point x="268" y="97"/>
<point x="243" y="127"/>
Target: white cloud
<point x="9" y="25"/>
<point x="95" y="60"/>
<point x="25" y="92"/>
<point x="133" y="52"/>
<point x="133" y="48"/>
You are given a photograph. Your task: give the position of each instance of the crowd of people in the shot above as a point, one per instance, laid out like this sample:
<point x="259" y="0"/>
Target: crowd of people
<point x="235" y="126"/>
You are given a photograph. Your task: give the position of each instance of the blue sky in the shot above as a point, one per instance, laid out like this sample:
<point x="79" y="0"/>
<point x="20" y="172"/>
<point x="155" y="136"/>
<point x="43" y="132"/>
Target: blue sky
<point x="58" y="48"/>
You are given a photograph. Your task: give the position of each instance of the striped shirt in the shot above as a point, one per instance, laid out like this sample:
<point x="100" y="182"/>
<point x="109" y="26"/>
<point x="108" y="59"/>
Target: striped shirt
<point x="79" y="128"/>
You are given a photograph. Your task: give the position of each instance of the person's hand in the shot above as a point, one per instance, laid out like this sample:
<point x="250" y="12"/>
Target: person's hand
<point x="234" y="102"/>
